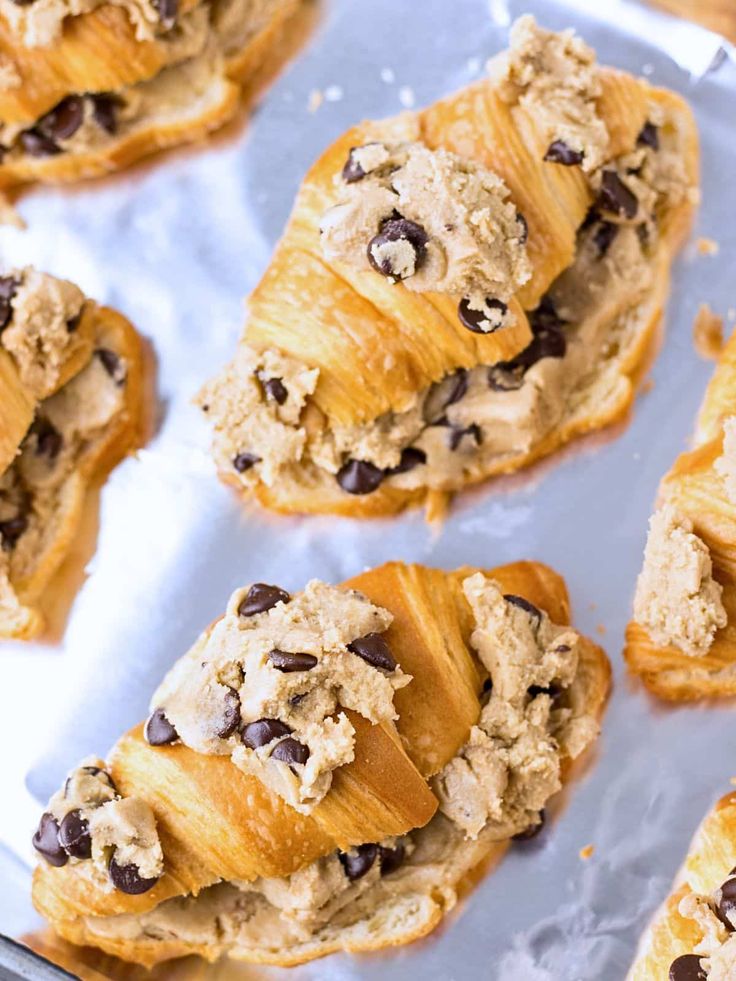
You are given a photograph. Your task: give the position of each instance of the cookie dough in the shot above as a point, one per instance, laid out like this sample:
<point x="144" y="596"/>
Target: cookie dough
<point x="553" y="76"/>
<point x="677" y="599"/>
<point x="726" y="463"/>
<point x="717" y="946"/>
<point x="268" y="686"/>
<point x="40" y="22"/>
<point x="433" y="221"/>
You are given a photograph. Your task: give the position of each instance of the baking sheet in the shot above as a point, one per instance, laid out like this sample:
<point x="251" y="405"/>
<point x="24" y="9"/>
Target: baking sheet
<point x="176" y="245"/>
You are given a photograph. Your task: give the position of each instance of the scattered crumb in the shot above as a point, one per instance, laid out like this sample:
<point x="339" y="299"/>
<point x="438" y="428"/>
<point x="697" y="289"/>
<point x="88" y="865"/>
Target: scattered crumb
<point x="333" y="93"/>
<point x="601" y="629"/>
<point x="647" y="69"/>
<point x="388" y="76"/>
<point x="585" y="853"/>
<point x="707" y="332"/>
<point x="406" y="96"/>
<point x="733" y="781"/>
<point x="315" y="100"/>
<point x="707" y="246"/>
<point x="592" y="605"/>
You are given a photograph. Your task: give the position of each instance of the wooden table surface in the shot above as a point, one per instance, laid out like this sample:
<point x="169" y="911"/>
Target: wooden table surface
<point x="718" y="15"/>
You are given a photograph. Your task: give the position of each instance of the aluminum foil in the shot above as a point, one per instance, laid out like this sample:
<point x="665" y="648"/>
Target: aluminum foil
<point x="175" y="245"/>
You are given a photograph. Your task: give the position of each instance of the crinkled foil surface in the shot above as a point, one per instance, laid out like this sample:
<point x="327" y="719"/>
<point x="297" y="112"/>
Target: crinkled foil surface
<point x="176" y="245"/>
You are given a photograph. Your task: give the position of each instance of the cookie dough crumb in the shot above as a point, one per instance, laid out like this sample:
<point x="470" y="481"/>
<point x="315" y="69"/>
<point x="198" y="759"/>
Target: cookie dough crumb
<point x="726" y="463"/>
<point x="677" y="599"/>
<point x="708" y="332"/>
<point x="586" y="852"/>
<point x="315" y="100"/>
<point x="707" y="246"/>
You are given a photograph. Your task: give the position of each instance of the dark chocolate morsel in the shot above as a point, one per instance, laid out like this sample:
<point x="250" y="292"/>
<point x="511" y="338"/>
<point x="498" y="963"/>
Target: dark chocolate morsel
<point x="63" y="121"/>
<point x="554" y="691"/>
<point x="546" y="317"/>
<point x="158" y="730"/>
<point x="443" y="393"/>
<point x="411" y="457"/>
<point x="525" y="605"/>
<point x="398" y="230"/>
<point x="128" y="878"/>
<point x="290" y="750"/>
<point x="359" y="861"/>
<point x="8" y="286"/>
<point x="727" y="903"/>
<point x="687" y="968"/>
<point x="604" y="235"/>
<point x="532" y="831"/>
<point x="524" y="227"/>
<point x="359" y="477"/>
<point x="458" y="435"/>
<point x="105" y="108"/>
<point x="112" y="364"/>
<point x="48" y="439"/>
<point x="615" y="197"/>
<point x="244" y="461"/>
<point x="263" y="731"/>
<point x="167" y="11"/>
<point x="391" y="858"/>
<point x="261" y="597"/>
<point x="289" y="661"/>
<point x="74" y="835"/>
<point x="352" y="171"/>
<point x="560" y="153"/>
<point x="11" y="530"/>
<point x="46" y="841"/>
<point x="473" y="319"/>
<point x="649" y="136"/>
<point x="374" y="650"/>
<point x="506" y="376"/>
<point x="275" y="390"/>
<point x="230" y="720"/>
<point x="36" y="144"/>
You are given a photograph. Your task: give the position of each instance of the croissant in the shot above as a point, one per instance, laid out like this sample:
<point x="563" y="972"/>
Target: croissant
<point x="320" y="771"/>
<point x="682" y="641"/>
<point x="691" y="937"/>
<point x="71" y="406"/>
<point x="460" y="290"/>
<point x="87" y="87"/>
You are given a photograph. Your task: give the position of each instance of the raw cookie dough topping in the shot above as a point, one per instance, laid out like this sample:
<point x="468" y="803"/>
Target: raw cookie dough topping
<point x="40" y="22"/>
<point x="554" y="77"/>
<point x="677" y="599"/>
<point x="714" y="956"/>
<point x="510" y="765"/>
<point x="89" y="820"/>
<point x="269" y="684"/>
<point x="726" y="463"/>
<point x="434" y="221"/>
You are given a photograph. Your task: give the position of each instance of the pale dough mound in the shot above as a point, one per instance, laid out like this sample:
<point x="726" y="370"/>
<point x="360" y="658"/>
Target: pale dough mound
<point x="554" y="77"/>
<point x="474" y="236"/>
<point x="726" y="463"/>
<point x="40" y="23"/>
<point x="677" y="599"/>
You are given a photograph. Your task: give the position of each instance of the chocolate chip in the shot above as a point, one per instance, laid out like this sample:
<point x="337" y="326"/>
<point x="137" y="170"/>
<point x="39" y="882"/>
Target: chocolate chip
<point x="73" y="323"/>
<point x="8" y="287"/>
<point x="397" y="230"/>
<point x="230" y="721"/>
<point x="359" y="477"/>
<point x="105" y="108"/>
<point x="458" y="435"/>
<point x="615" y="197"/>
<point x="374" y="650"/>
<point x="167" y="11"/>
<point x="264" y="731"/>
<point x="411" y="457"/>
<point x="359" y="861"/>
<point x="532" y="831"/>
<point x="525" y="605"/>
<point x="159" y="731"/>
<point x="547" y="343"/>
<point x="289" y="661"/>
<point x="444" y="393"/>
<point x="649" y="136"/>
<point x="506" y="376"/>
<point x="290" y="750"/>
<point x="687" y="968"/>
<point x="23" y="3"/>
<point x="352" y="171"/>
<point x="546" y="317"/>
<point x="11" y="531"/>
<point x="128" y="878"/>
<point x="524" y="228"/>
<point x="487" y="685"/>
<point x="475" y="319"/>
<point x="244" y="461"/>
<point x="560" y="153"/>
<point x="46" y="841"/>
<point x="554" y="691"/>
<point x="112" y="364"/>
<point x="261" y="597"/>
<point x="94" y="771"/>
<point x="727" y="902"/>
<point x="48" y="439"/>
<point x="63" y="121"/>
<point x="604" y="235"/>
<point x="391" y="858"/>
<point x="37" y="145"/>
<point x="74" y="835"/>
<point x="275" y="390"/>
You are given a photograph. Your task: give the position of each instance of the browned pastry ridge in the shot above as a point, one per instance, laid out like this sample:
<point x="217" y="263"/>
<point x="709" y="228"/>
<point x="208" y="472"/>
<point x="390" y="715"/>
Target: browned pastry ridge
<point x="104" y="91"/>
<point x="697" y="491"/>
<point x="318" y="410"/>
<point x="218" y="838"/>
<point x="71" y="407"/>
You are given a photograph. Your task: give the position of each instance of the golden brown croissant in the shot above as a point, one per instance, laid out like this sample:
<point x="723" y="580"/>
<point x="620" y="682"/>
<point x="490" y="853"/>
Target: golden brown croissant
<point x="682" y="640"/>
<point x="88" y="87"/>
<point x="547" y="200"/>
<point x="294" y="792"/>
<point x="693" y="931"/>
<point x="71" y="392"/>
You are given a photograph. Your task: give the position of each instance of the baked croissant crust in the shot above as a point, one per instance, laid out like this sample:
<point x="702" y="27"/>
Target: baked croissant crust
<point x="444" y="709"/>
<point x="71" y="406"/>
<point x="694" y="929"/>
<point x="462" y="289"/>
<point x="682" y="641"/>
<point x="89" y="87"/>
